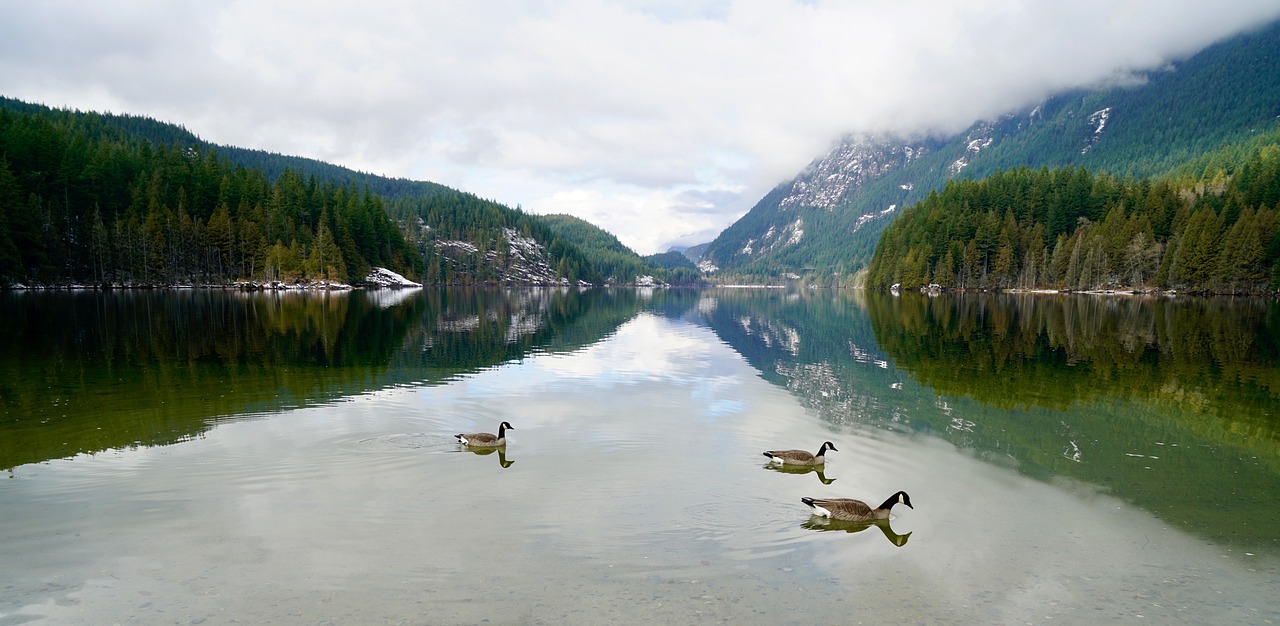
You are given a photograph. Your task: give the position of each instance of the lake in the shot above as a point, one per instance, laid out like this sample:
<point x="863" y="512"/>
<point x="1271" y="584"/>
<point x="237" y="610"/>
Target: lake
<point x="211" y="457"/>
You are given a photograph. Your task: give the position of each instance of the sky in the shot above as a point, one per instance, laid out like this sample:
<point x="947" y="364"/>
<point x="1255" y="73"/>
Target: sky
<point x="661" y="121"/>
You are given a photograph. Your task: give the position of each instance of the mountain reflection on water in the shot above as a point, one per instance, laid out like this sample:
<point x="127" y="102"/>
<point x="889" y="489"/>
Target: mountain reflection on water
<point x="87" y="371"/>
<point x="1158" y="401"/>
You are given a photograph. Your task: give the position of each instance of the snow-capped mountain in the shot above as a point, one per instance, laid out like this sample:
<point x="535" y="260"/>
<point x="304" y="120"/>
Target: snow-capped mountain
<point x="824" y="223"/>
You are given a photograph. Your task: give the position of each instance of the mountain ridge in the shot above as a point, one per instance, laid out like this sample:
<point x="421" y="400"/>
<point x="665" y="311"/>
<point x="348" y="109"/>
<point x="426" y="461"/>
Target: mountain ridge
<point x="95" y="159"/>
<point x="841" y="202"/>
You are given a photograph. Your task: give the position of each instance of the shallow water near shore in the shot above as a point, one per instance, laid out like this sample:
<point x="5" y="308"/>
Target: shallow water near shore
<point x="327" y="486"/>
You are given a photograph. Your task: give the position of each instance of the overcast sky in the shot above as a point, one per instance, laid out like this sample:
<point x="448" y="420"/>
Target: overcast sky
<point x="660" y="121"/>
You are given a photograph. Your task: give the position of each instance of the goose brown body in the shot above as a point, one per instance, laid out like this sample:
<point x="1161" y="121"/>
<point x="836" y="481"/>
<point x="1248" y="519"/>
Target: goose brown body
<point x="802" y="457"/>
<point x="851" y="510"/>
<point x="486" y="440"/>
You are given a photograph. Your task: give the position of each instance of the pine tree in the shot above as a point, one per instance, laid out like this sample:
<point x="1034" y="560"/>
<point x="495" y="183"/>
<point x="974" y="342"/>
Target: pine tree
<point x="10" y="197"/>
<point x="220" y="233"/>
<point x="325" y="261"/>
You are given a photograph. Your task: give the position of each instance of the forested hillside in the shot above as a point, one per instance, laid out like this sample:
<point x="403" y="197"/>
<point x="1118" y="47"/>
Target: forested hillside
<point x="1212" y="229"/>
<point x="825" y="223"/>
<point x="89" y="198"/>
<point x="680" y="270"/>
<point x="134" y="127"/>
<point x="83" y="201"/>
<point x="463" y="239"/>
<point x="614" y="260"/>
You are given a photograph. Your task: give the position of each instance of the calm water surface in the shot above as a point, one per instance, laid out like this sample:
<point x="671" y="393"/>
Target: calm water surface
<point x="208" y="457"/>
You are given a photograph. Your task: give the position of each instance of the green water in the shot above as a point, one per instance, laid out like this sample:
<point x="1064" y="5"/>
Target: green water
<point x="220" y="457"/>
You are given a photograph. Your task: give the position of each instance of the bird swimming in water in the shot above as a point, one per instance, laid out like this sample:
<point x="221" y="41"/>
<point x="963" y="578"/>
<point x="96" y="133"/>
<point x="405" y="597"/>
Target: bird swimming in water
<point x="801" y="457"/>
<point x="851" y="510"/>
<point x="486" y="440"/>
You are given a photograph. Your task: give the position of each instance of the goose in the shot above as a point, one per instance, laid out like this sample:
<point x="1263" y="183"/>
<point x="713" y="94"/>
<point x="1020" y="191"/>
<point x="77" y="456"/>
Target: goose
<point x="801" y="457"/>
<point x="851" y="510"/>
<point x="486" y="440"/>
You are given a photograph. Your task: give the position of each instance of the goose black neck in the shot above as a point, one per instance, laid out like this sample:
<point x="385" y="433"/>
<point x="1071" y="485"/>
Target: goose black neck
<point x="892" y="500"/>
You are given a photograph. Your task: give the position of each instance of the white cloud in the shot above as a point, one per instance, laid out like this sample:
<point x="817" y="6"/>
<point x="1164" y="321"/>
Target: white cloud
<point x="643" y="219"/>
<point x="633" y="105"/>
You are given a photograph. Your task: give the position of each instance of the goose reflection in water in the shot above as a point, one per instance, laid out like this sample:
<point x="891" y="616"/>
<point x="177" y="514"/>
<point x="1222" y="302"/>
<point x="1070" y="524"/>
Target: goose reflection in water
<point x="502" y="454"/>
<point x="818" y="522"/>
<point x="801" y="469"/>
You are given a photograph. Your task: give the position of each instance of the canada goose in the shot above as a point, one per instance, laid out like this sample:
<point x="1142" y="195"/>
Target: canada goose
<point x="855" y="510"/>
<point x="486" y="440"/>
<point x="801" y="457"/>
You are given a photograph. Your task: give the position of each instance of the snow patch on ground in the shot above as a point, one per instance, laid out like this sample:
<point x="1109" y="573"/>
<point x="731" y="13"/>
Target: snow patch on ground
<point x="856" y="161"/>
<point x="864" y="219"/>
<point x="383" y="278"/>
<point x="649" y="281"/>
<point x="796" y="233"/>
<point x="1099" y="121"/>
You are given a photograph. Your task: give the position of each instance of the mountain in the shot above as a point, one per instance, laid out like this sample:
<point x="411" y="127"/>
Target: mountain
<point x="617" y="263"/>
<point x="85" y="200"/>
<point x="824" y="224"/>
<point x="1211" y="230"/>
<point x="693" y="253"/>
<point x="107" y="199"/>
<point x="671" y="260"/>
<point x="676" y="268"/>
<point x="463" y="239"/>
<point x="158" y="133"/>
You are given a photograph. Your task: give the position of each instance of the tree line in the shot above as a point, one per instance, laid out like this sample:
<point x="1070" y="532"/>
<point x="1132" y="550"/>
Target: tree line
<point x="106" y="199"/>
<point x="617" y="263"/>
<point x="463" y="239"/>
<point x="678" y="268"/>
<point x="1222" y="94"/>
<point x="83" y="201"/>
<point x="1072" y="229"/>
